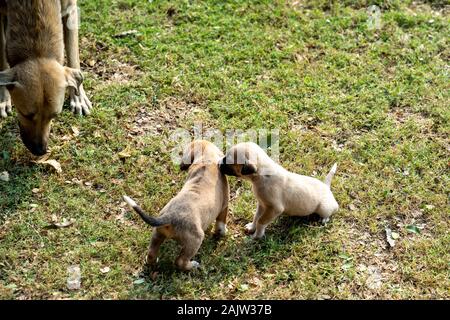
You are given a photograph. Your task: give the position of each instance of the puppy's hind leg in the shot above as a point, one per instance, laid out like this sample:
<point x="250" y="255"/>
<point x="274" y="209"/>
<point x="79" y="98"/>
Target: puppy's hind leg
<point x="221" y="223"/>
<point x="190" y="244"/>
<point x="157" y="239"/>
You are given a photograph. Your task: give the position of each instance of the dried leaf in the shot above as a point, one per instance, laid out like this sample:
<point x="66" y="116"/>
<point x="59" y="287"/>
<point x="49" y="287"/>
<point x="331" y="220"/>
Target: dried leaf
<point x="126" y="34"/>
<point x="389" y="238"/>
<point x="75" y="131"/>
<point x="124" y="154"/>
<point x="53" y="163"/>
<point x="4" y="176"/>
<point x="413" y="229"/>
<point x="59" y="225"/>
<point x="374" y="280"/>
<point x="74" y="278"/>
<point x="105" y="270"/>
<point x="139" y="281"/>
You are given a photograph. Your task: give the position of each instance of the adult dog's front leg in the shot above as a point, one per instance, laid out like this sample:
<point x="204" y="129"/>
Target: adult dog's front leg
<point x="79" y="102"/>
<point x="5" y="98"/>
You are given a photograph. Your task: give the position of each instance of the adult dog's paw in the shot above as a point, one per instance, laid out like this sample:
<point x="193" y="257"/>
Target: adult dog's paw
<point x="5" y="102"/>
<point x="250" y="228"/>
<point x="80" y="104"/>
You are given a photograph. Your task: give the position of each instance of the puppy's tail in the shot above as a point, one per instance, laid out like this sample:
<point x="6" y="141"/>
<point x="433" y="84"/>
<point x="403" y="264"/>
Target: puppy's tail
<point x="154" y="222"/>
<point x="330" y="175"/>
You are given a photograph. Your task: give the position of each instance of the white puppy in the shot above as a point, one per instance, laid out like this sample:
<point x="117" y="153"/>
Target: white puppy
<point x="277" y="190"/>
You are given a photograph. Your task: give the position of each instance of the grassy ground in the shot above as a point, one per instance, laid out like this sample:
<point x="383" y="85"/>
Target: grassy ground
<point x="375" y="101"/>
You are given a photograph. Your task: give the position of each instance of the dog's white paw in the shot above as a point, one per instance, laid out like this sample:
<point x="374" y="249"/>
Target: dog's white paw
<point x="250" y="227"/>
<point x="80" y="104"/>
<point x="257" y="236"/>
<point x="325" y="220"/>
<point x="221" y="229"/>
<point x="195" y="264"/>
<point x="5" y="102"/>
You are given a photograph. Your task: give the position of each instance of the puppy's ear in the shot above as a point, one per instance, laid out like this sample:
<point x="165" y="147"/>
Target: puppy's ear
<point x="74" y="79"/>
<point x="7" y="79"/>
<point x="248" y="168"/>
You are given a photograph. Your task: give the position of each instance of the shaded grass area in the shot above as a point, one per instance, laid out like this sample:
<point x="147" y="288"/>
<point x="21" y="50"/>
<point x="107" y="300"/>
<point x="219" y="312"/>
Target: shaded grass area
<point x="375" y="101"/>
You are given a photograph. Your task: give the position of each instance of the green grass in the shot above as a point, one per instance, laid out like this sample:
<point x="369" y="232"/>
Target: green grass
<point x="375" y="101"/>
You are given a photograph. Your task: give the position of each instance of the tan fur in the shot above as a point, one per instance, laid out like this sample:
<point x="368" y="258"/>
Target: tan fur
<point x="277" y="190"/>
<point x="36" y="80"/>
<point x="202" y="200"/>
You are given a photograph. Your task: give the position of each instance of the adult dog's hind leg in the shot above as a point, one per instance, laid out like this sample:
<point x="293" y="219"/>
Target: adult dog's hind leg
<point x="5" y="98"/>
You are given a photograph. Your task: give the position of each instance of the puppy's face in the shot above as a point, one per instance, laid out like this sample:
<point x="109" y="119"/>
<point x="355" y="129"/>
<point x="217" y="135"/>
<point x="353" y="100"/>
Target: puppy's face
<point x="37" y="90"/>
<point x="200" y="152"/>
<point x="239" y="162"/>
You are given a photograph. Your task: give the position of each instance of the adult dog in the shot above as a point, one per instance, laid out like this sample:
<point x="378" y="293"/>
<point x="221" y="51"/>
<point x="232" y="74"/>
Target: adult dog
<point x="33" y="34"/>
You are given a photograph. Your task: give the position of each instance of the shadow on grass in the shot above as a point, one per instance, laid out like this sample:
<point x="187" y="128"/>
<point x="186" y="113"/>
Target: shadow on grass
<point x="22" y="174"/>
<point x="226" y="259"/>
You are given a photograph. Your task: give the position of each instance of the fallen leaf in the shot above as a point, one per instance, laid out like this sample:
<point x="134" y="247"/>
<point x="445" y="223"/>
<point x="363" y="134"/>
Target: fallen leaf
<point x="139" y="281"/>
<point x="59" y="225"/>
<point x="36" y="190"/>
<point x="374" y="280"/>
<point x="413" y="229"/>
<point x="75" y="131"/>
<point x="4" y="176"/>
<point x="74" y="278"/>
<point x="53" y="163"/>
<point x="126" y="34"/>
<point x="352" y="207"/>
<point x="389" y="237"/>
<point x="105" y="270"/>
<point x="124" y="154"/>
<point x="243" y="287"/>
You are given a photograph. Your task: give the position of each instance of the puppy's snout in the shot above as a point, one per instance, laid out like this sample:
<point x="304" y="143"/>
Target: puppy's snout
<point x="225" y="168"/>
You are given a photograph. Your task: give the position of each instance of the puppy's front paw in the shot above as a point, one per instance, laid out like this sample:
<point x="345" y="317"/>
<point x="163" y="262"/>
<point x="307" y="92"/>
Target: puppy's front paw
<point x="250" y="228"/>
<point x="195" y="264"/>
<point x="80" y="104"/>
<point x="5" y="102"/>
<point x="325" y="220"/>
<point x="221" y="229"/>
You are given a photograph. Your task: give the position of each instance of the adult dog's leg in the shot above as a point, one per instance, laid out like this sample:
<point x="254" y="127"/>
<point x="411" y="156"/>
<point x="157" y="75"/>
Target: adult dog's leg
<point x="80" y="103"/>
<point x="5" y="99"/>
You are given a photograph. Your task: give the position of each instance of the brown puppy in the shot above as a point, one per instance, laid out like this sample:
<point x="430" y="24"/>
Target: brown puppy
<point x="33" y="46"/>
<point x="202" y="200"/>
